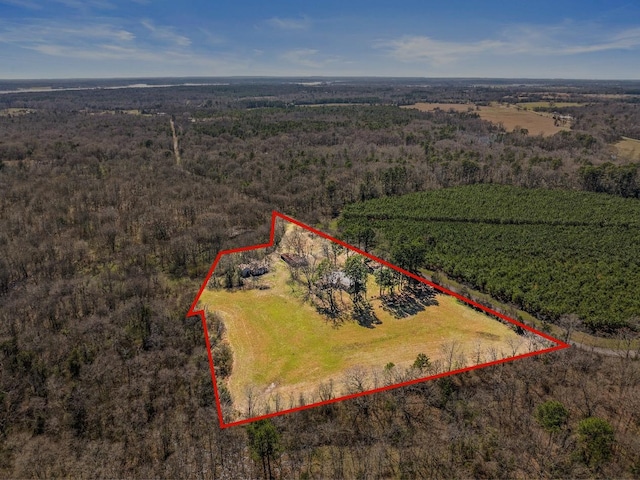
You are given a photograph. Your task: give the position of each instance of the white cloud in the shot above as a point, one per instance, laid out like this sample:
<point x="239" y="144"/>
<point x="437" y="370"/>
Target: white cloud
<point x="103" y="48"/>
<point x="166" y="33"/>
<point x="23" y="4"/>
<point x="96" y="41"/>
<point x="568" y="39"/>
<point x="302" y="23"/>
<point x="77" y="4"/>
<point x="212" y="38"/>
<point x="38" y="32"/>
<point x="100" y="52"/>
<point x="310" y="58"/>
<point x="163" y="62"/>
<point x="439" y="52"/>
<point x="305" y="57"/>
<point x="87" y="4"/>
<point x="625" y="40"/>
<point x="558" y="40"/>
<point x="100" y="45"/>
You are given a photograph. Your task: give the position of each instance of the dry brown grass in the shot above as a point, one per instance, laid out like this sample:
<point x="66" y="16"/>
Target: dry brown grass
<point x="430" y="107"/>
<point x="134" y="112"/>
<point x="549" y="104"/>
<point x="628" y="148"/>
<point x="537" y="123"/>
<point x="334" y="104"/>
<point x="283" y="347"/>
<point x="15" y="112"/>
<point x="610" y="96"/>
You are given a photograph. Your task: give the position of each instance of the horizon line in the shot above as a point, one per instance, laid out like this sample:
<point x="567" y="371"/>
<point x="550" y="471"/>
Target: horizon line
<point x="382" y="77"/>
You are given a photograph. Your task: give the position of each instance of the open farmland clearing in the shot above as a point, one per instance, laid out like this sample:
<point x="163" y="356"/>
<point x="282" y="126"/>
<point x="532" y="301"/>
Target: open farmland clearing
<point x="548" y="105"/>
<point x="511" y="117"/>
<point x="628" y="148"/>
<point x="286" y="348"/>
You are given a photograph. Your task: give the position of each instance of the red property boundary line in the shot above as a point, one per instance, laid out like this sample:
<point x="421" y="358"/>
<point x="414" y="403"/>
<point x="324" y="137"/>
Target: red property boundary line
<point x="275" y="215"/>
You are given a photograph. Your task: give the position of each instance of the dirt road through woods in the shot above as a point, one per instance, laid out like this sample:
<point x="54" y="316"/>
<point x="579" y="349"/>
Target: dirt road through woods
<point x="176" y="150"/>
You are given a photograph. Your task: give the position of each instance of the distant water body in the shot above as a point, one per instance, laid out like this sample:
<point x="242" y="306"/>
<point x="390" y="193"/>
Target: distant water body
<point x="42" y="89"/>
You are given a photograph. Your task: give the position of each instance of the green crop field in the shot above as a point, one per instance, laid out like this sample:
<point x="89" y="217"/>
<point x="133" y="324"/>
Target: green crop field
<point x="549" y="252"/>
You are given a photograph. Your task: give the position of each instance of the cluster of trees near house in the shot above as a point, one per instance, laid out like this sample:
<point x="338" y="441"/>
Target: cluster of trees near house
<point x="105" y="240"/>
<point x="327" y="274"/>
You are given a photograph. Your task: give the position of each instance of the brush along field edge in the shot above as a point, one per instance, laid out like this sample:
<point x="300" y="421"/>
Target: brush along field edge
<point x="194" y="311"/>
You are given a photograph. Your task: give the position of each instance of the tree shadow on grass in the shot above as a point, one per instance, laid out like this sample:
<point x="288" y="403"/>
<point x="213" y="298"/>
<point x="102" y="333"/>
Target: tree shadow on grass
<point x="413" y="299"/>
<point x="335" y="317"/>
<point x="364" y="314"/>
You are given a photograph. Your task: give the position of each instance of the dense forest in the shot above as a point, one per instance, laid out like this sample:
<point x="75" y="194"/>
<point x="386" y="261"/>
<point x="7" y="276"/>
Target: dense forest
<point x="551" y="252"/>
<point x="106" y="233"/>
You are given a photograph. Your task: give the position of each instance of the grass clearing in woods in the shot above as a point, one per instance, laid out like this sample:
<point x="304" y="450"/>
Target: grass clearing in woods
<point x="508" y="115"/>
<point x="628" y="148"/>
<point x="282" y="345"/>
<point x="552" y="105"/>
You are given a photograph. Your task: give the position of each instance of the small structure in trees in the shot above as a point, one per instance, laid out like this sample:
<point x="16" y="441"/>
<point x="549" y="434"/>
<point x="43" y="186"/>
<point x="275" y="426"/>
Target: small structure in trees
<point x="337" y="280"/>
<point x="253" y="269"/>
<point x="295" y="261"/>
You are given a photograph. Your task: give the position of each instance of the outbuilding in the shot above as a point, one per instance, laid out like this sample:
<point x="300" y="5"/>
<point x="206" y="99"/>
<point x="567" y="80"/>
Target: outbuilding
<point x="253" y="269"/>
<point x="295" y="261"/>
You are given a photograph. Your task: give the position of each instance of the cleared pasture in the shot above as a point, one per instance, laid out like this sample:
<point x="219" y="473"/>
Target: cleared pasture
<point x="628" y="148"/>
<point x="549" y="104"/>
<point x="511" y="117"/>
<point x="283" y="347"/>
<point x="430" y="107"/>
<point x="14" y="112"/>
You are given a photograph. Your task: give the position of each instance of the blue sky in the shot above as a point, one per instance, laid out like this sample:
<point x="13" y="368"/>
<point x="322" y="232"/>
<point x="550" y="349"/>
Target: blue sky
<point x="455" y="38"/>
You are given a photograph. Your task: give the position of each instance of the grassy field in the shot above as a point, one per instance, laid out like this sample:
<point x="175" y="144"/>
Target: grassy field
<point x="15" y="111"/>
<point x="283" y="346"/>
<point x="430" y="107"/>
<point x="628" y="148"/>
<point x="135" y="112"/>
<point x="532" y="105"/>
<point x="511" y="117"/>
<point x="333" y="104"/>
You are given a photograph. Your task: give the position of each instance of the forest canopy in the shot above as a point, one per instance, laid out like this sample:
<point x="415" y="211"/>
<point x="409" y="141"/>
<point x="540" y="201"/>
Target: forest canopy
<point x="550" y="252"/>
<point x="115" y="202"/>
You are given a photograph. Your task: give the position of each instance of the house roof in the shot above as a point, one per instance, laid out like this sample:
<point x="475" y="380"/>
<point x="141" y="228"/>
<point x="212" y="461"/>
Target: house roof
<point x="337" y="278"/>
